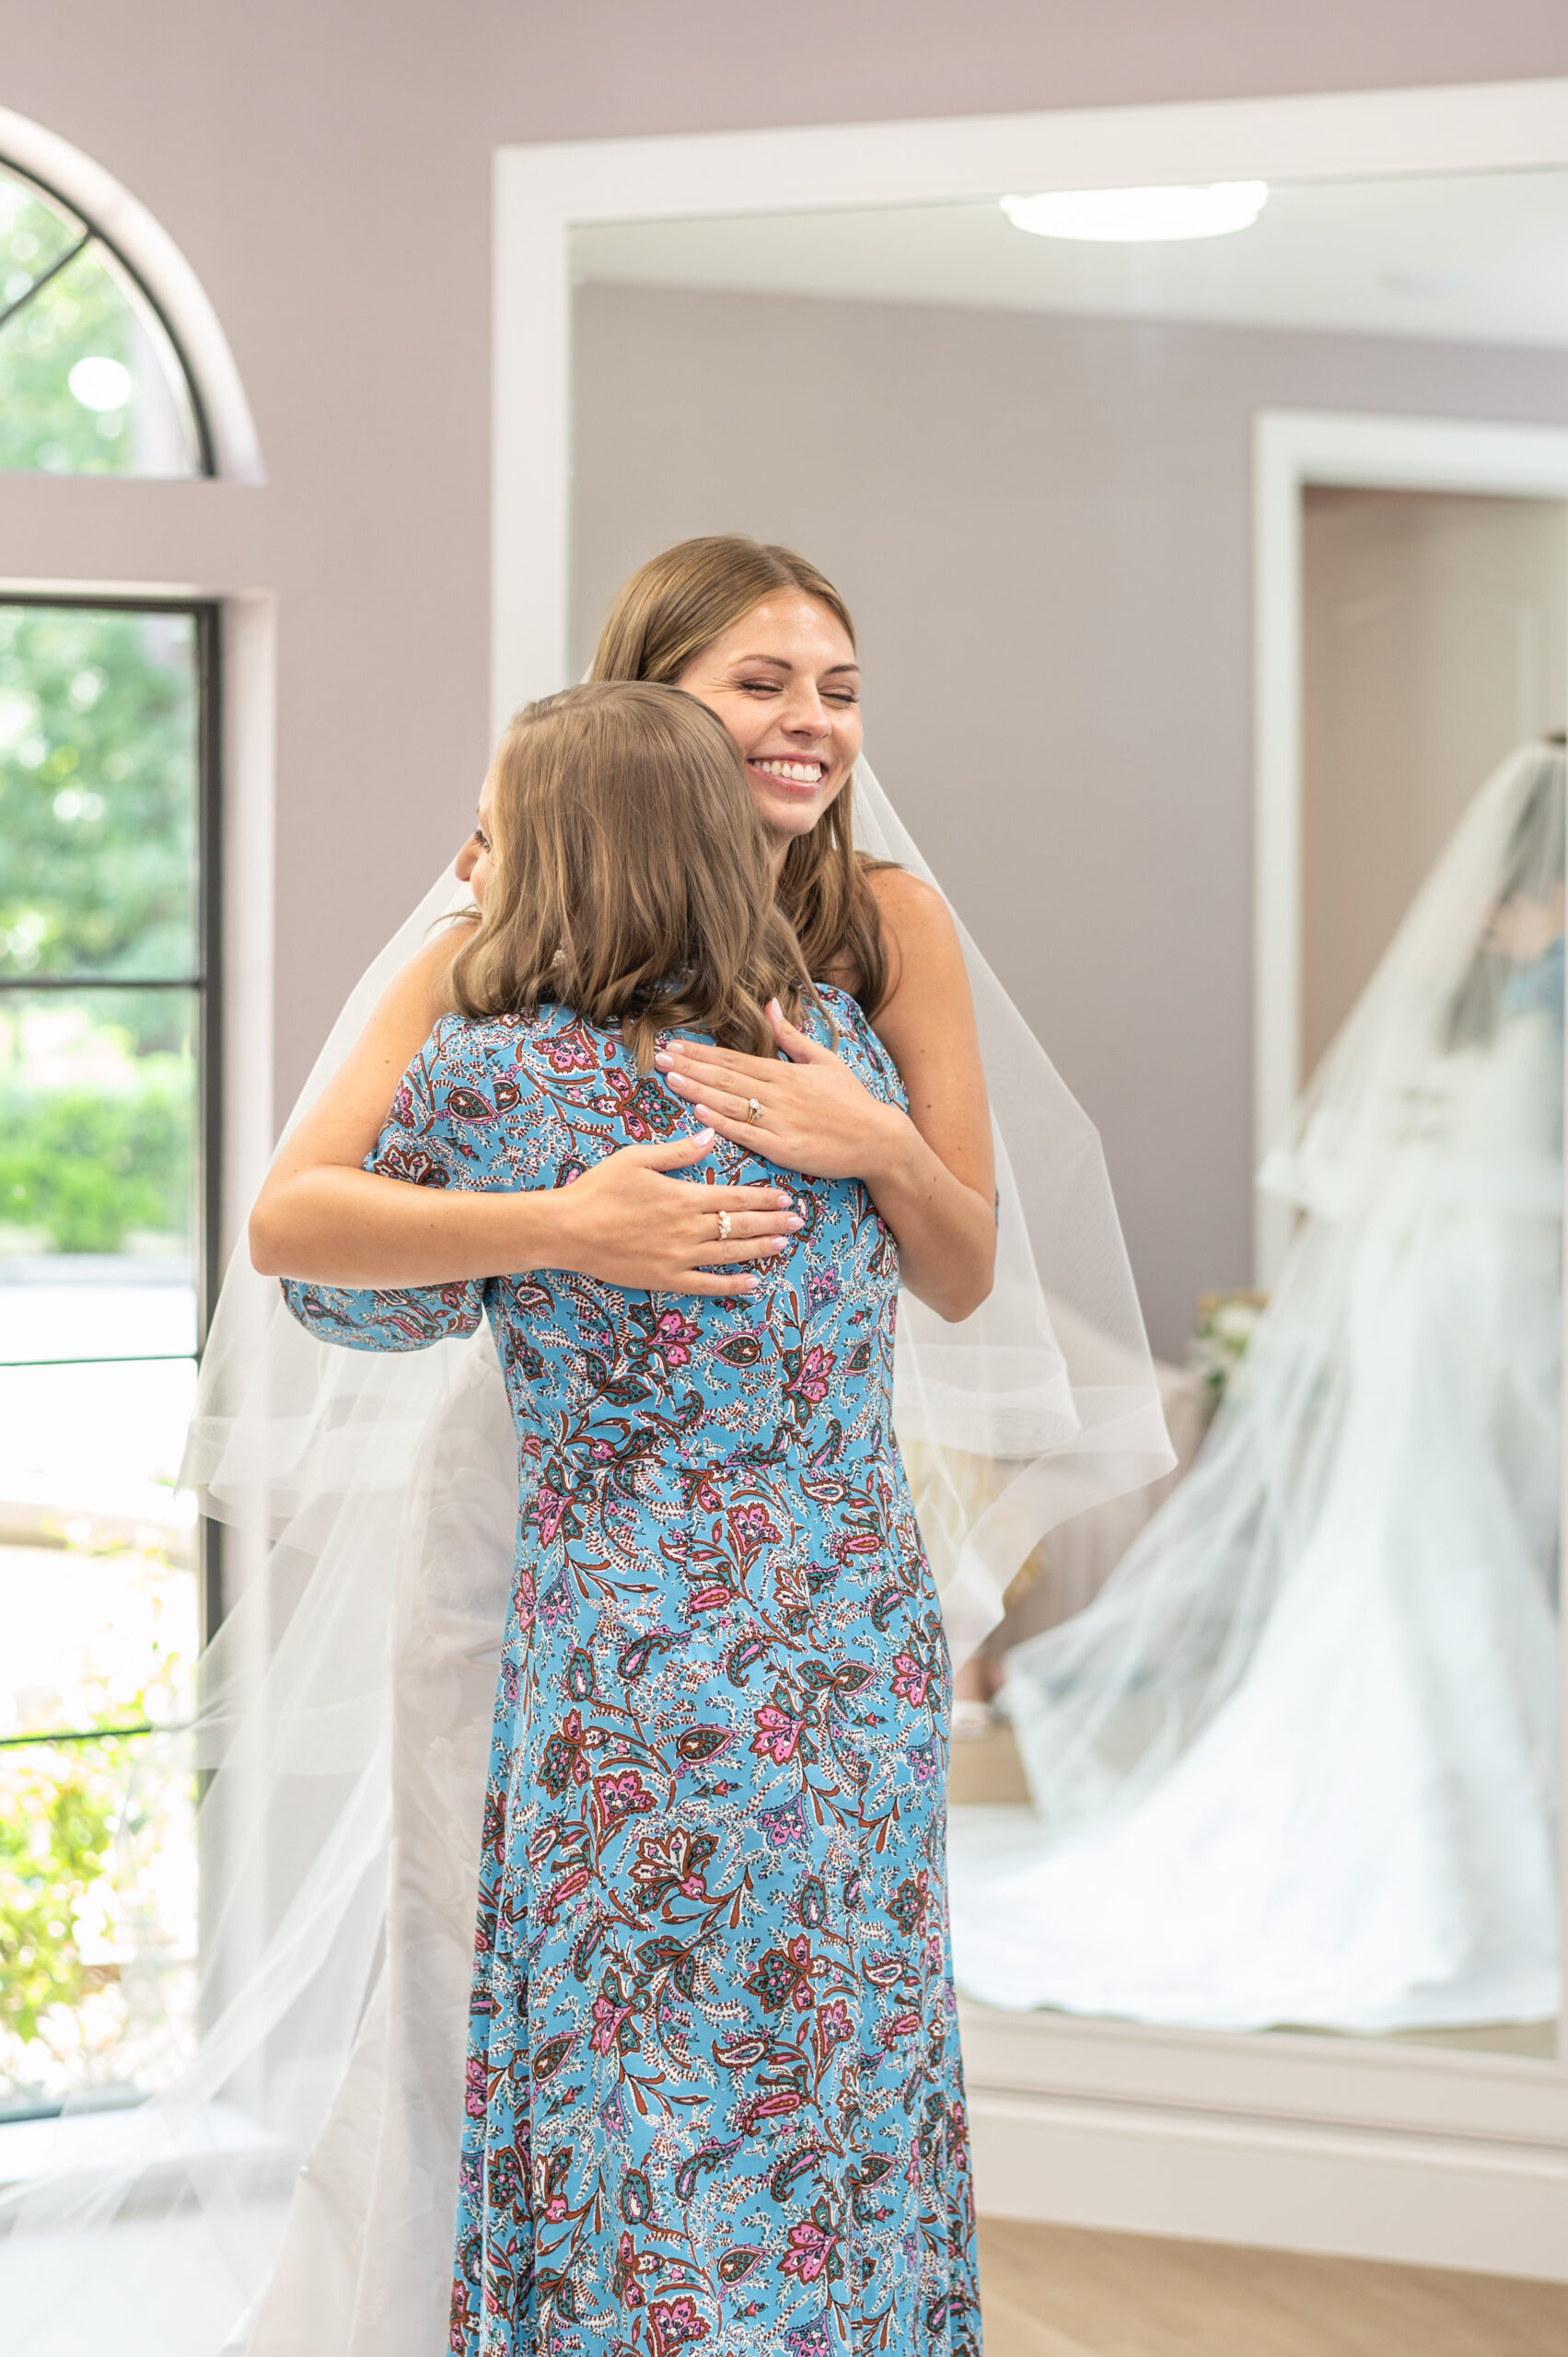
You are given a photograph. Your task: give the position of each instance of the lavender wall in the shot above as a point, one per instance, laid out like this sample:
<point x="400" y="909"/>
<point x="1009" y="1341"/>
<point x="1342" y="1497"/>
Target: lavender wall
<point x="325" y="166"/>
<point x="1043" y="526"/>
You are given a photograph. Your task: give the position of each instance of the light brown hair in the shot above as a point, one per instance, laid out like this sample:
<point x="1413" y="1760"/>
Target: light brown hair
<point x="631" y="879"/>
<point x="669" y="609"/>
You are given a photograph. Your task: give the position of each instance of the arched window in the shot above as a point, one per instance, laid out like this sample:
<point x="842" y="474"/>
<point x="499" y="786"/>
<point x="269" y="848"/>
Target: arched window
<point x="91" y="380"/>
<point x="109" y="961"/>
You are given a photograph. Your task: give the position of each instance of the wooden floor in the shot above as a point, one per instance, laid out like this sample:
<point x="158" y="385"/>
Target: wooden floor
<point x="1061" y="2291"/>
<point x="988" y="1769"/>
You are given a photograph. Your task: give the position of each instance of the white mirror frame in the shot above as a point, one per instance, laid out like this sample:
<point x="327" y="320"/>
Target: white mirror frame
<point x="1373" y="2148"/>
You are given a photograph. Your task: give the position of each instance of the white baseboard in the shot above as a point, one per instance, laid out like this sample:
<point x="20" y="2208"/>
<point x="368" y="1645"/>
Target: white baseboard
<point x="1493" y="2207"/>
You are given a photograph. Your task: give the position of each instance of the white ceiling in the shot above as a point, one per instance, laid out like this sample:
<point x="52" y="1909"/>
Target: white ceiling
<point x="1479" y="257"/>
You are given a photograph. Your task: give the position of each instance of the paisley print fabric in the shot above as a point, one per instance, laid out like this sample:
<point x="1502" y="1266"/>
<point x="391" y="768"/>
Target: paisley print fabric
<point x="713" y="2098"/>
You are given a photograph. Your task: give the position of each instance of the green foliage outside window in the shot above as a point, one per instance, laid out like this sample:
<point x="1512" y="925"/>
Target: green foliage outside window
<point x="80" y="310"/>
<point x="90" y="1831"/>
<point x="98" y="755"/>
<point x="81" y="1826"/>
<point x="98" y="767"/>
<point x="88" y="384"/>
<point x="57" y="1820"/>
<point x="77" y="316"/>
<point x="80" y="1171"/>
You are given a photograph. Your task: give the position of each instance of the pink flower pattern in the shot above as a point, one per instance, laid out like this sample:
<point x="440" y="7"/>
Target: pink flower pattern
<point x="779" y="1734"/>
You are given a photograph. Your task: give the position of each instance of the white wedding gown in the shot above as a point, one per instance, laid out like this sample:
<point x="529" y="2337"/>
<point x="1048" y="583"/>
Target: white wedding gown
<point x="1357" y="1828"/>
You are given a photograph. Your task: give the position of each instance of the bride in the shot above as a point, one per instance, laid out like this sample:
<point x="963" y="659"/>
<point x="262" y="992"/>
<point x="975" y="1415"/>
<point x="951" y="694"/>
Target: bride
<point x="1297" y="1762"/>
<point x="291" y="2193"/>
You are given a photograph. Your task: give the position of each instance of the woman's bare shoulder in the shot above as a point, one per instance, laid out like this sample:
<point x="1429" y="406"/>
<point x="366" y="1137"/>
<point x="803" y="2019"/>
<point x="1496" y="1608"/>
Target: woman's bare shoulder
<point x="916" y="920"/>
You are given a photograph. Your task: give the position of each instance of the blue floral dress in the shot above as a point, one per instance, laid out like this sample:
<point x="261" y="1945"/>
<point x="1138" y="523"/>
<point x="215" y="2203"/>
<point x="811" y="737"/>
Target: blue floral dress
<point x="714" y="2098"/>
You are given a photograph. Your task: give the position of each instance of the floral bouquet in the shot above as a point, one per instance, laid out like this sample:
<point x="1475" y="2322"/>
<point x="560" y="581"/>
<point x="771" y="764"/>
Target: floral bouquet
<point x="1227" y="1322"/>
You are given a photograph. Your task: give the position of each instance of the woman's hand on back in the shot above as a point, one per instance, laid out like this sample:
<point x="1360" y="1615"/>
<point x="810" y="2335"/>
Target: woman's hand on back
<point x="627" y="1222"/>
<point x="813" y="1115"/>
<point x="929" y="1172"/>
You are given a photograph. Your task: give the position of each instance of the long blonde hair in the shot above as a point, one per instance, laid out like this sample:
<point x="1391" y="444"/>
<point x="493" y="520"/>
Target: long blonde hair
<point x="630" y="878"/>
<point x="669" y="609"/>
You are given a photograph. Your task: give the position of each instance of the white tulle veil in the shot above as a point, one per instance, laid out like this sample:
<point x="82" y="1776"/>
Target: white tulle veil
<point x="368" y="1507"/>
<point x="1430" y="1100"/>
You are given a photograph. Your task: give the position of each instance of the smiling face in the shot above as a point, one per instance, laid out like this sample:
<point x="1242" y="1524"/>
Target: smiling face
<point x="784" y="682"/>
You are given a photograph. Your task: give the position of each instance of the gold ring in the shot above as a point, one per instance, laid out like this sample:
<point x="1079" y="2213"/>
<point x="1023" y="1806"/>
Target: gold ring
<point x="753" y="1112"/>
<point x="723" y="1228"/>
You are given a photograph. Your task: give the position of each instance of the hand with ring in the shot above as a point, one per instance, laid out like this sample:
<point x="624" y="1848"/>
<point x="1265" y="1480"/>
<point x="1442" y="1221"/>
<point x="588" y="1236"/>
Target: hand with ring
<point x="804" y="1109"/>
<point x="629" y="1222"/>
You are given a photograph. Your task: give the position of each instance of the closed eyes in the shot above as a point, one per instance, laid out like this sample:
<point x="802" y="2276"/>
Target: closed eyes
<point x="776" y="686"/>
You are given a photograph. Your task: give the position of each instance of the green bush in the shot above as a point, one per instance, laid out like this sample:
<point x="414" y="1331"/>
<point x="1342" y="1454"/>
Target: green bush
<point x="57" y="1820"/>
<point x="98" y="791"/>
<point x="84" y="1167"/>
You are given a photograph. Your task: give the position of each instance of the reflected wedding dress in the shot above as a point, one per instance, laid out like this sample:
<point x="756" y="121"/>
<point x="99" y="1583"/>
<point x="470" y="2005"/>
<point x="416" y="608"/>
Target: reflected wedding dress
<point x="1297" y="1763"/>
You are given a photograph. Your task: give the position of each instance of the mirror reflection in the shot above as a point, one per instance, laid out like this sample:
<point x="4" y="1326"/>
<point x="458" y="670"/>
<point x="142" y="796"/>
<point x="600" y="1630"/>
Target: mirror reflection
<point x="1274" y="1743"/>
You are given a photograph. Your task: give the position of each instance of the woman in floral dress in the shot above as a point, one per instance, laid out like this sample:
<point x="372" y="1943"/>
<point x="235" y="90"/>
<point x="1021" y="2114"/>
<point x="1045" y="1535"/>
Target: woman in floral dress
<point x="714" y="2096"/>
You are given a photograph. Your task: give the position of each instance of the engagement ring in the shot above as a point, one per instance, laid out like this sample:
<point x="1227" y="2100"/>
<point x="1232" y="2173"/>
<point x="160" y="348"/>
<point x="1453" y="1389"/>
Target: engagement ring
<point x="753" y="1112"/>
<point x="723" y="1228"/>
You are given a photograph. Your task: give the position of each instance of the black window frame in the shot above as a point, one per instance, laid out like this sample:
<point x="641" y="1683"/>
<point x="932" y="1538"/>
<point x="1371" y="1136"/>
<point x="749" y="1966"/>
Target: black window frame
<point x="93" y="234"/>
<point x="206" y="983"/>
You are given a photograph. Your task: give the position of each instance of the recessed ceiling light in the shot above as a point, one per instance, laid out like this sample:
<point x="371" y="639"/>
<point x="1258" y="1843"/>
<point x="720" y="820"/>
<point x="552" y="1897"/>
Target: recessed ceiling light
<point x="1140" y="215"/>
<point x="1421" y="285"/>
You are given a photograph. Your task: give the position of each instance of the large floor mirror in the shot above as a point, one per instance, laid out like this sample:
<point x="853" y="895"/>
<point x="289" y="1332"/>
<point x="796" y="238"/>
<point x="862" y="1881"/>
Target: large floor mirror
<point x="1272" y="1750"/>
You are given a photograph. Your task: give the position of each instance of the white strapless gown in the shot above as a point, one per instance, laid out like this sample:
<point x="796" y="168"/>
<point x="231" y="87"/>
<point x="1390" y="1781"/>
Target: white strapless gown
<point x="1363" y="1834"/>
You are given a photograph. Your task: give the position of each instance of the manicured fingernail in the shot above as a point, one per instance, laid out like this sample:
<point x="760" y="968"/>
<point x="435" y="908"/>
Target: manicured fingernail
<point x="792" y="1219"/>
<point x="751" y="1284"/>
<point x="703" y="1114"/>
<point x="704" y="1137"/>
<point x="661" y="1064"/>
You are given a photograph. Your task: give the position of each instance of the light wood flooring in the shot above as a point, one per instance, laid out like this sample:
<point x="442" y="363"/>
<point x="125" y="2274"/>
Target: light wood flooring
<point x="1062" y="2292"/>
<point x="987" y="1769"/>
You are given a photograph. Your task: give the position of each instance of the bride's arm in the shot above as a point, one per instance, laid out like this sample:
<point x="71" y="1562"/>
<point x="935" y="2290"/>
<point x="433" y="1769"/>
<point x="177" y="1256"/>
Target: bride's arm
<point x="939" y="1196"/>
<point x="929" y="1172"/>
<point x="322" y="1217"/>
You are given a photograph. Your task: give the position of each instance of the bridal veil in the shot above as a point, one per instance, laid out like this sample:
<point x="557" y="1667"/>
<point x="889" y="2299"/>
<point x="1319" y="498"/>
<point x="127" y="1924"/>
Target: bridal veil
<point x="1422" y="1104"/>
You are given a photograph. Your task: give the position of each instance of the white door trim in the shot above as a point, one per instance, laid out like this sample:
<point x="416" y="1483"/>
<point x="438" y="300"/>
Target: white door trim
<point x="1292" y="448"/>
<point x="1298" y="2095"/>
